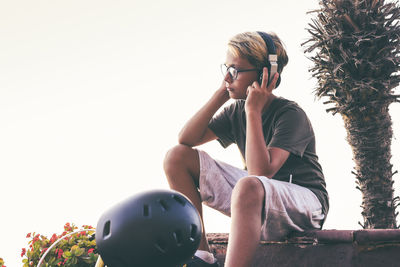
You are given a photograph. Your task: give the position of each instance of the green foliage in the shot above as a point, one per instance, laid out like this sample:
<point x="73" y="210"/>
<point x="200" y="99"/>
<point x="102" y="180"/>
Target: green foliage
<point x="357" y="54"/>
<point x="77" y="250"/>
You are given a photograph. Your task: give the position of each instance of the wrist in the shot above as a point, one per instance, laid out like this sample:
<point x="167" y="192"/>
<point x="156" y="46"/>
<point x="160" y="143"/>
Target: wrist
<point x="253" y="113"/>
<point x="221" y="95"/>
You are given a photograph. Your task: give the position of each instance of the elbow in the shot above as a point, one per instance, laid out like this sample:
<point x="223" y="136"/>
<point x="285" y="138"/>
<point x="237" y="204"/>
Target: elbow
<point x="270" y="172"/>
<point x="190" y="141"/>
<point x="183" y="141"/>
<point x="185" y="144"/>
<point x="267" y="172"/>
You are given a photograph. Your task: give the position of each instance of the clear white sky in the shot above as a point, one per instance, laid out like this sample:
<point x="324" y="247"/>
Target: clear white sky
<point x="93" y="93"/>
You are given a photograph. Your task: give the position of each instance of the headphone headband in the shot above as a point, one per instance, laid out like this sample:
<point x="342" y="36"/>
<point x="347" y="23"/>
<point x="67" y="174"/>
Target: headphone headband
<point x="269" y="42"/>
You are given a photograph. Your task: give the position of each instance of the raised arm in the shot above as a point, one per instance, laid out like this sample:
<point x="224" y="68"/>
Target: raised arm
<point x="196" y="131"/>
<point x="261" y="159"/>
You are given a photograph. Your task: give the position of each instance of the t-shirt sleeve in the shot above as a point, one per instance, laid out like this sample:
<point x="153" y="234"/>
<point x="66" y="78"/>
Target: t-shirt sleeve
<point x="292" y="132"/>
<point x="221" y="125"/>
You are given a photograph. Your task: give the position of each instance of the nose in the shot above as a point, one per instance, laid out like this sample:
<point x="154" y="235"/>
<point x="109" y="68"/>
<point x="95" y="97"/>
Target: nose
<point x="228" y="78"/>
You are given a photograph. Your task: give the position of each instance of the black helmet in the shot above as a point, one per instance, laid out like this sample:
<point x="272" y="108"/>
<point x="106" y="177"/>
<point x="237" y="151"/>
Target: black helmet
<point x="155" y="228"/>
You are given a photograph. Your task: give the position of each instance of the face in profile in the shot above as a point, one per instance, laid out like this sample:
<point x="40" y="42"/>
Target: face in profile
<point x="239" y="75"/>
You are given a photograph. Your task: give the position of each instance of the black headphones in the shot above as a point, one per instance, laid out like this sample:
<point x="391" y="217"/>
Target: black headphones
<point x="272" y="61"/>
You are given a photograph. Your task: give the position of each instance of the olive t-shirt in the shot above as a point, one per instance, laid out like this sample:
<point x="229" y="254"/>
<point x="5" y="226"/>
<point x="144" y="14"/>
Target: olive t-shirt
<point x="285" y="125"/>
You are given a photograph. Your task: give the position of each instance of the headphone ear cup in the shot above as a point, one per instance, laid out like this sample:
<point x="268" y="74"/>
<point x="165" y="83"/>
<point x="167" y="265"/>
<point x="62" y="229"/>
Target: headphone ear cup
<point x="270" y="79"/>
<point x="261" y="77"/>
<point x="278" y="81"/>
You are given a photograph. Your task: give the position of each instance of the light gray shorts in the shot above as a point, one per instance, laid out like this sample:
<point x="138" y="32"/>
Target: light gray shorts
<point x="288" y="207"/>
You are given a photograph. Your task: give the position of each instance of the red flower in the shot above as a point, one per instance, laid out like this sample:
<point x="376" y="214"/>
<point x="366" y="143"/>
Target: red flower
<point x="60" y="252"/>
<point x="28" y="235"/>
<point x="36" y="238"/>
<point x="62" y="262"/>
<point x="23" y="252"/>
<point x="67" y="227"/>
<point x="90" y="250"/>
<point x="53" y="238"/>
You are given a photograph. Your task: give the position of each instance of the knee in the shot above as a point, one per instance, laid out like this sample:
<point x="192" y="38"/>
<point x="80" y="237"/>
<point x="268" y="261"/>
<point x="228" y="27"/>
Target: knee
<point x="176" y="156"/>
<point x="248" y="193"/>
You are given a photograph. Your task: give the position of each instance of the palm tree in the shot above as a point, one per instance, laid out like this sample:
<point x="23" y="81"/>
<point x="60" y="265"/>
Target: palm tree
<point x="356" y="60"/>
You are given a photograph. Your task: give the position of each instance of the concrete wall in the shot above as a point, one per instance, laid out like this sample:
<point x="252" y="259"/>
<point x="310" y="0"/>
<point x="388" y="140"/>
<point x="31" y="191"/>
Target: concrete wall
<point x="336" y="248"/>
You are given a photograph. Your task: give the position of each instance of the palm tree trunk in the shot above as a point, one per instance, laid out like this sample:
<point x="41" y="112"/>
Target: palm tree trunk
<point x="370" y="136"/>
<point x="357" y="64"/>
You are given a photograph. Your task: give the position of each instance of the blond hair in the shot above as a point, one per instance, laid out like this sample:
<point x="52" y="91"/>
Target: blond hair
<point x="250" y="45"/>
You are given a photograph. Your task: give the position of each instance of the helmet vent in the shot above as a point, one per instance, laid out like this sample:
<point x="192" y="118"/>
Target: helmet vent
<point x="179" y="200"/>
<point x="178" y="237"/>
<point x="193" y="232"/>
<point x="161" y="246"/>
<point x="146" y="210"/>
<point x="163" y="204"/>
<point x="107" y="230"/>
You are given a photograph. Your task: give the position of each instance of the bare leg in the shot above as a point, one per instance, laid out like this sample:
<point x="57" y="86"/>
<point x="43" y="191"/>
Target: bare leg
<point x="182" y="168"/>
<point x="246" y="211"/>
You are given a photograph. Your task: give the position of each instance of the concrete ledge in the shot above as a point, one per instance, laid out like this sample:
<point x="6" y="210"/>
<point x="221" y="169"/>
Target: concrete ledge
<point x="344" y="248"/>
